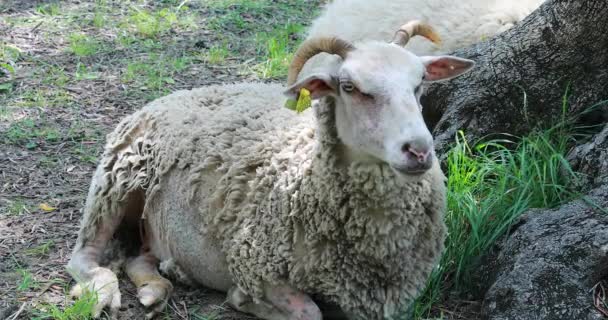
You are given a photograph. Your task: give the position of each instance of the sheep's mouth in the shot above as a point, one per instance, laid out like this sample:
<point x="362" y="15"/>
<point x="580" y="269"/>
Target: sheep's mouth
<point x="410" y="171"/>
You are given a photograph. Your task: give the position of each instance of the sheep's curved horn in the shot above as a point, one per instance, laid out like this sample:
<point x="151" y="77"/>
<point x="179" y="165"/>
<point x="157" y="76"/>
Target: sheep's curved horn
<point x="415" y="28"/>
<point x="312" y="47"/>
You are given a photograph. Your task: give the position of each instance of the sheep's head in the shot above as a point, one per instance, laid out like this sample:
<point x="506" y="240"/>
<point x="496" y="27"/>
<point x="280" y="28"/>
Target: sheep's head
<point x="377" y="87"/>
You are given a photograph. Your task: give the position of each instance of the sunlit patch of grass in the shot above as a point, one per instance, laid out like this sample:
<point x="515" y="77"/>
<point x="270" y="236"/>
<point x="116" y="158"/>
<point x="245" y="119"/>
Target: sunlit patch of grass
<point x="152" y="24"/>
<point x="277" y="47"/>
<point x="99" y="19"/>
<point x="489" y="186"/>
<point x="155" y="74"/>
<point x="82" y="45"/>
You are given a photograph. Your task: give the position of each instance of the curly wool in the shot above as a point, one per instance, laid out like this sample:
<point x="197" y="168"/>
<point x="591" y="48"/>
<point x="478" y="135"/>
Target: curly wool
<point x="459" y="23"/>
<point x="272" y="187"/>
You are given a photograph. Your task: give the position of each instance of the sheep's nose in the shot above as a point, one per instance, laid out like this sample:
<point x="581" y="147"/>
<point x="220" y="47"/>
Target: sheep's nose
<point x="418" y="150"/>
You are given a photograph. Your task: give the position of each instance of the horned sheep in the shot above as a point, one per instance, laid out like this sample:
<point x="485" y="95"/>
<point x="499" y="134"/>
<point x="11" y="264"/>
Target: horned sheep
<point x="460" y="23"/>
<point x="343" y="203"/>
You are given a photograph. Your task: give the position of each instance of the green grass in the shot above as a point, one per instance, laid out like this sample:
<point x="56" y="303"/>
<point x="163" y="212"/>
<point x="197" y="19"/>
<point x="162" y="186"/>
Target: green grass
<point x="42" y="249"/>
<point x="81" y="309"/>
<point x="8" y="59"/>
<point x="16" y="207"/>
<point x="45" y="97"/>
<point x="489" y="186"/>
<point x="235" y="15"/>
<point x="82" y="45"/>
<point x="153" y="24"/>
<point x="26" y="132"/>
<point x="27" y="281"/>
<point x="49" y="9"/>
<point x="155" y="73"/>
<point x="54" y="75"/>
<point x="278" y="47"/>
<point x="217" y="54"/>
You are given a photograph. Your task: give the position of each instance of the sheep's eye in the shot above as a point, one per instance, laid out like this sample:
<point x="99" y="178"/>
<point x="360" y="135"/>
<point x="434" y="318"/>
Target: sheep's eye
<point x="347" y="86"/>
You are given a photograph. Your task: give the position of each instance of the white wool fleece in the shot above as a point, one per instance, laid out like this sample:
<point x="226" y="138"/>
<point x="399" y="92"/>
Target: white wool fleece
<point x="459" y="23"/>
<point x="270" y="185"/>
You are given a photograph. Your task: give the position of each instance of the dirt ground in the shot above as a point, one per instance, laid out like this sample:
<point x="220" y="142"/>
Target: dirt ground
<point x="69" y="71"/>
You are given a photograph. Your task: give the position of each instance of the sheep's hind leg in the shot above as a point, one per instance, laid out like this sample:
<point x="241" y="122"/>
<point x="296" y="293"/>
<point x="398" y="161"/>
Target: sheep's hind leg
<point x="153" y="290"/>
<point x="280" y="303"/>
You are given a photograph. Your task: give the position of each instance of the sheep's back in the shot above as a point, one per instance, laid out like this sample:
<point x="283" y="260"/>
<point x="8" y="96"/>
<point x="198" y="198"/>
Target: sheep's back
<point x="207" y="136"/>
<point x="216" y="127"/>
<point x="459" y="23"/>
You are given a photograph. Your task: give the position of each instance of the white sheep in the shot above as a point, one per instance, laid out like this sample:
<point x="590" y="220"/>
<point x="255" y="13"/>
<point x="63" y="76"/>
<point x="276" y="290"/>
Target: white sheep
<point x="223" y="185"/>
<point x="460" y="23"/>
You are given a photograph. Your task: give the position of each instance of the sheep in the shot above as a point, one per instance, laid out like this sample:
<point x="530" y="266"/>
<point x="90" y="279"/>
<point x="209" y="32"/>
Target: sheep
<point x="461" y="23"/>
<point x="224" y="187"/>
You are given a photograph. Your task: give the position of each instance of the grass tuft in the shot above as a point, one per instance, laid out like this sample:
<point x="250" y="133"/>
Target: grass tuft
<point x="81" y="309"/>
<point x="217" y="54"/>
<point x="152" y="24"/>
<point x="82" y="45"/>
<point x="41" y="250"/>
<point x="16" y="207"/>
<point x="278" y="47"/>
<point x="27" y="281"/>
<point x="489" y="186"/>
<point x="49" y="9"/>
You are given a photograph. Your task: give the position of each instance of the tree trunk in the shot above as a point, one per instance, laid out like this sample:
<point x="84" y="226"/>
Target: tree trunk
<point x="522" y="75"/>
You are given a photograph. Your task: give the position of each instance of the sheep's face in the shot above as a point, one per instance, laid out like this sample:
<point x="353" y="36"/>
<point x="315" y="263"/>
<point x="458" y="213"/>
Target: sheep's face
<point x="377" y="91"/>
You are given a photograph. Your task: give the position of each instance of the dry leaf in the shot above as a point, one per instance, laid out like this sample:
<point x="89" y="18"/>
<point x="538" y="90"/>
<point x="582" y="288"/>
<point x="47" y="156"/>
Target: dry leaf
<point x="45" y="207"/>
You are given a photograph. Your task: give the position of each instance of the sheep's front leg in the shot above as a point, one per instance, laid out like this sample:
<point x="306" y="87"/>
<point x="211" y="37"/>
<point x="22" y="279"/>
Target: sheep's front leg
<point x="280" y="303"/>
<point x="89" y="275"/>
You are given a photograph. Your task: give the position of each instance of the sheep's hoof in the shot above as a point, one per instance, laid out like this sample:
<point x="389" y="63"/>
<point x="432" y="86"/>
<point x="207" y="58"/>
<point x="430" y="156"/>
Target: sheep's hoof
<point x="105" y="284"/>
<point x="154" y="295"/>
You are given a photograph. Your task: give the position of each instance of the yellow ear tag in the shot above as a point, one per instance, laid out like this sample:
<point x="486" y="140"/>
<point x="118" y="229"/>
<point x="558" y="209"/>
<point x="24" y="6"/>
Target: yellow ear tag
<point x="304" y="101"/>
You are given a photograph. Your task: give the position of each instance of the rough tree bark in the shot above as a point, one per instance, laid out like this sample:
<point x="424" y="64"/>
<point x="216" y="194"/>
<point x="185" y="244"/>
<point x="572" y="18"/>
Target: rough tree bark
<point x="564" y="42"/>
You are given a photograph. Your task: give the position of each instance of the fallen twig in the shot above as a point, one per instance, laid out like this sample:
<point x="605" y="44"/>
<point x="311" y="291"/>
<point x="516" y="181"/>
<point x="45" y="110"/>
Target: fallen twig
<point x="16" y="314"/>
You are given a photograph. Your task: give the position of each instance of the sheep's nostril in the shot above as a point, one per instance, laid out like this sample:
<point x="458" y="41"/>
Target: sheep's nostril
<point x="421" y="154"/>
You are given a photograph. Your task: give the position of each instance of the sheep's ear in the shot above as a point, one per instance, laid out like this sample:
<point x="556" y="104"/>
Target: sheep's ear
<point x="319" y="85"/>
<point x="445" y="67"/>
